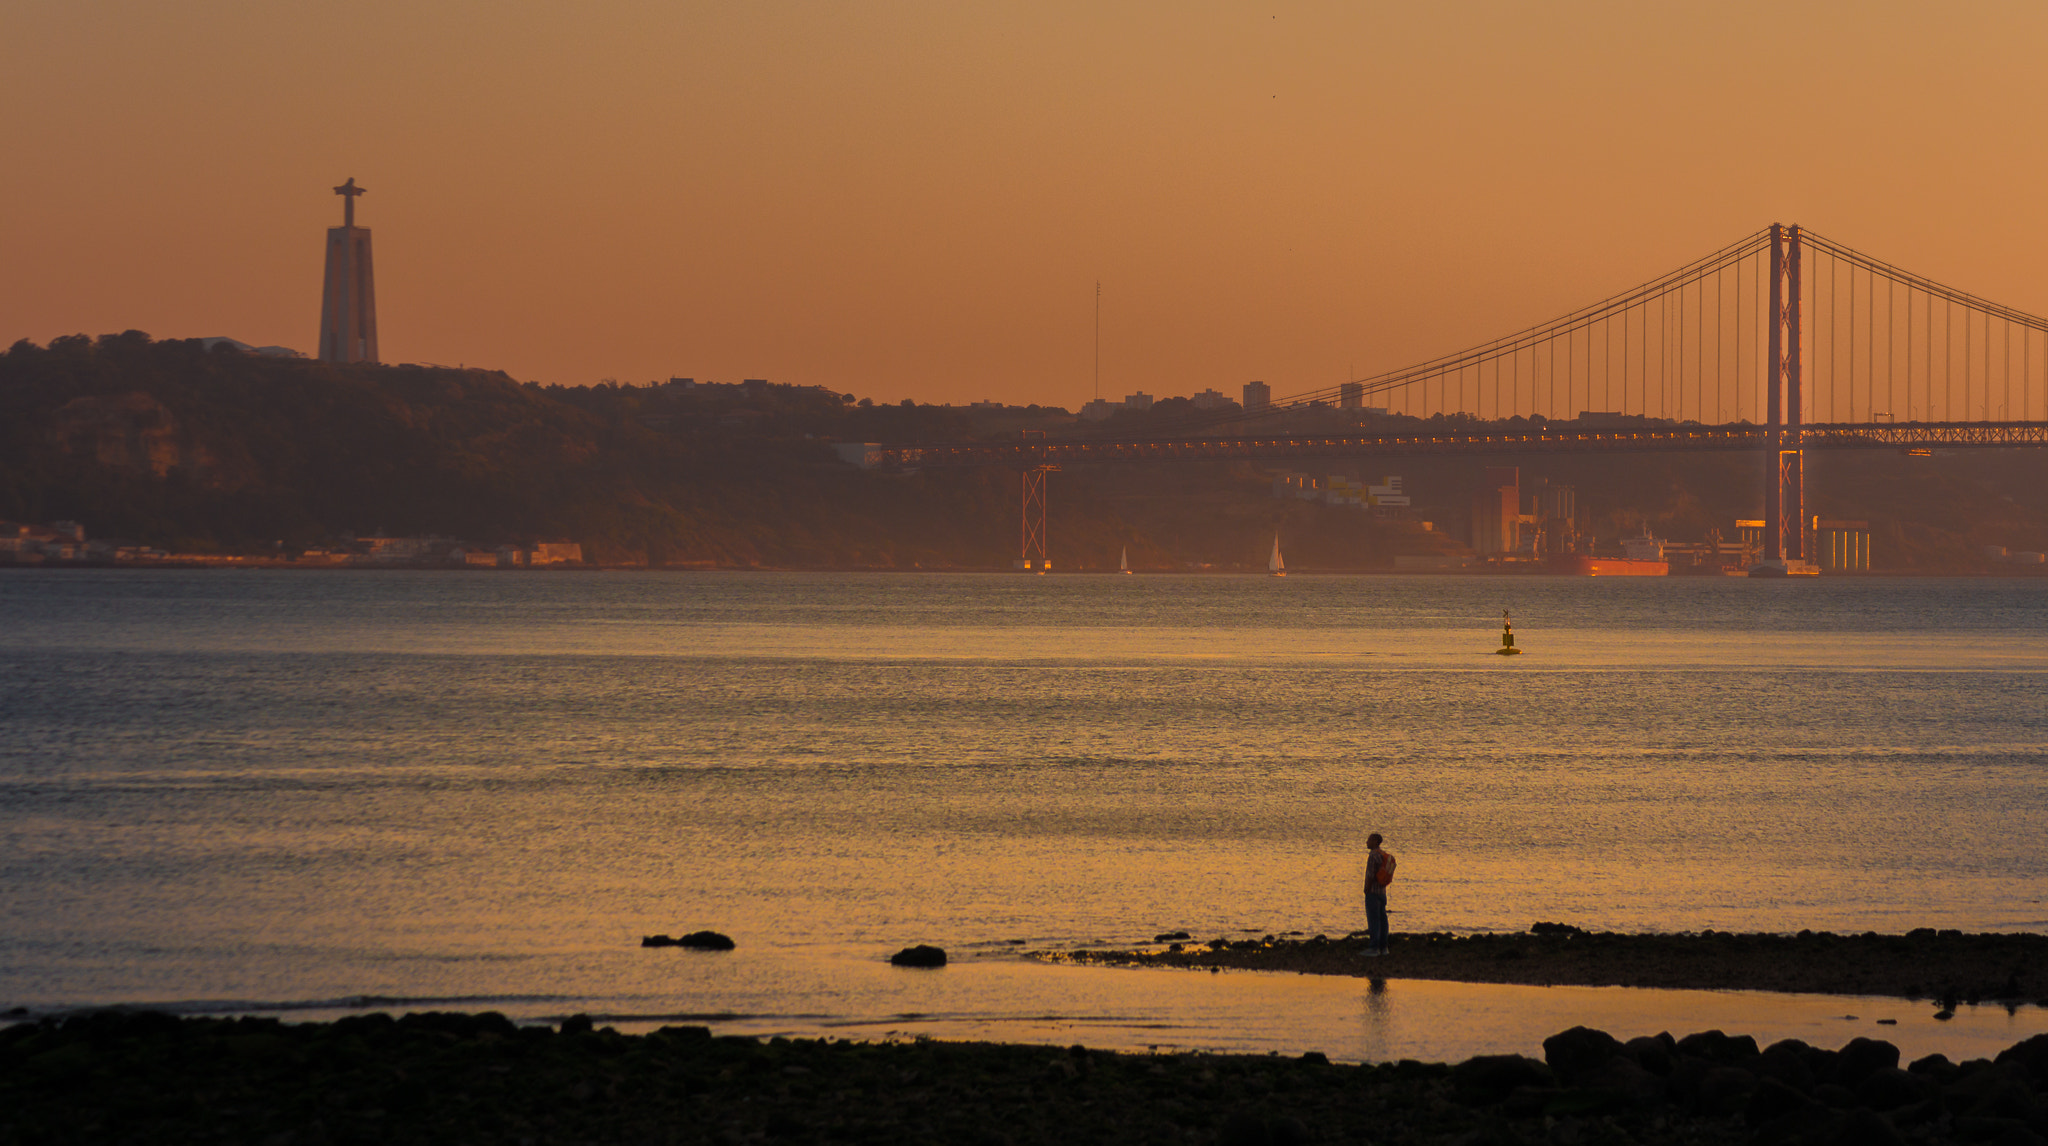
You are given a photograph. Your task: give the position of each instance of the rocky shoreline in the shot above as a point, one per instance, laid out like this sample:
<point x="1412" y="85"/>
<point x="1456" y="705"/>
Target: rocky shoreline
<point x="1945" y="967"/>
<point x="114" y="1077"/>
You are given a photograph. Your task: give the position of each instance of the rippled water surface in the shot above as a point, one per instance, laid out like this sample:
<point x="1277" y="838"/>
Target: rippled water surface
<point x="293" y="788"/>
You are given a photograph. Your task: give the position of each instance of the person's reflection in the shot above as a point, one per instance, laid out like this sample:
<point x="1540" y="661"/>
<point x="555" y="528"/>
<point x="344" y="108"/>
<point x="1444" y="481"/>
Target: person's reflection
<point x="1376" y="1003"/>
<point x="1376" y="1022"/>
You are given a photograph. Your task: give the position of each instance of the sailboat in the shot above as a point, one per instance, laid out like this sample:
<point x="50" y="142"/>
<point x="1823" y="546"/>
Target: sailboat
<point x="1274" y="565"/>
<point x="1123" y="564"/>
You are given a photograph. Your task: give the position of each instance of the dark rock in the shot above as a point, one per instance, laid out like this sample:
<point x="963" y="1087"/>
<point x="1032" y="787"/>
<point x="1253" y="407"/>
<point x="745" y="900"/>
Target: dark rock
<point x="1253" y="1128"/>
<point x="1579" y="1051"/>
<point x="1171" y="936"/>
<point x="1627" y="1081"/>
<point x="1996" y="1131"/>
<point x="922" y="955"/>
<point x="1977" y="1080"/>
<point x="1815" y="1123"/>
<point x="1585" y="1102"/>
<point x="1682" y="1085"/>
<point x="1918" y="1114"/>
<point x="1773" y="1100"/>
<point x="1892" y="1088"/>
<point x="1489" y="1078"/>
<point x="2008" y="1100"/>
<point x="1654" y="1053"/>
<point x="2032" y="1054"/>
<point x="1835" y="1094"/>
<point x="1718" y="1048"/>
<point x="1786" y="1062"/>
<point x="1863" y="1057"/>
<point x="1867" y="1128"/>
<point x="1528" y="1101"/>
<point x="1934" y="1066"/>
<point x="1561" y="929"/>
<point x="696" y="940"/>
<point x="1724" y="1090"/>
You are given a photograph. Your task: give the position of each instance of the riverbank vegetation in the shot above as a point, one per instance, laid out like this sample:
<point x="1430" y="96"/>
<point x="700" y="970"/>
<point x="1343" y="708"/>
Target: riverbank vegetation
<point x="196" y="449"/>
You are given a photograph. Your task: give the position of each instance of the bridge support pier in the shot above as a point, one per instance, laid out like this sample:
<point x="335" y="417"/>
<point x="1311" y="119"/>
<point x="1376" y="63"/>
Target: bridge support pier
<point x="1032" y="558"/>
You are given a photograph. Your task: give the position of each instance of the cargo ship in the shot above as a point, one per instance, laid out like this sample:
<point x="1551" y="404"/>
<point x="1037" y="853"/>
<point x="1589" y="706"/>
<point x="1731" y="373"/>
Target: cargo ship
<point x="1640" y="557"/>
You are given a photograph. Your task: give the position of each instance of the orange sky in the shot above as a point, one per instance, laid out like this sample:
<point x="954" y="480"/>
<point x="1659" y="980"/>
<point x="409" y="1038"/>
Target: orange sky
<point x="916" y="199"/>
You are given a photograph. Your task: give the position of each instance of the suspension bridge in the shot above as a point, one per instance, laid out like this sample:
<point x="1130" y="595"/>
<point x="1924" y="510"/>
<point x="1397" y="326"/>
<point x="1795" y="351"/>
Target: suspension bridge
<point x="1780" y="343"/>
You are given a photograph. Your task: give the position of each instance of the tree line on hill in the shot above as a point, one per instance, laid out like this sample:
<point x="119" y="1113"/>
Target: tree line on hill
<point x="198" y="449"/>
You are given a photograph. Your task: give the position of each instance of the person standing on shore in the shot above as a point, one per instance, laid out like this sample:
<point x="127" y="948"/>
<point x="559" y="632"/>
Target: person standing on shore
<point x="1379" y="872"/>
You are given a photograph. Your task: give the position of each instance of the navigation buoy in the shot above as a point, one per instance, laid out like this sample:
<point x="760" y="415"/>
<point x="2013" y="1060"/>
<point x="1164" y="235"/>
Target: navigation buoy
<point x="1507" y="637"/>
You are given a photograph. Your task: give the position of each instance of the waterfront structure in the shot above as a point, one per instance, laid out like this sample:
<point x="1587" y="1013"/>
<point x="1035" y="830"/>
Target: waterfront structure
<point x="1841" y="546"/>
<point x="1497" y="512"/>
<point x="348" y="298"/>
<point x="1257" y="396"/>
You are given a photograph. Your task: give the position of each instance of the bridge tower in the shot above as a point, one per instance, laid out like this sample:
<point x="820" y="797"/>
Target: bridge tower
<point x="1033" y="559"/>
<point x="1784" y="458"/>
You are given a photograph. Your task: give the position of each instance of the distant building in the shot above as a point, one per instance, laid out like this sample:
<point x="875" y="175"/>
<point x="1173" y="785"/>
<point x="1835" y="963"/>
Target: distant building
<point x="1138" y="401"/>
<point x="1287" y="484"/>
<point x="348" y="300"/>
<point x="1497" y="512"/>
<point x="1100" y="410"/>
<point x="1257" y="396"/>
<point x="1351" y="396"/>
<point x="1390" y="494"/>
<point x="557" y="553"/>
<point x="1211" y="399"/>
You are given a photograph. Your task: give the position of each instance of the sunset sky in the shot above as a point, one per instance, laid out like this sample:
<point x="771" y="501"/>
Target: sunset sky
<point x="917" y="199"/>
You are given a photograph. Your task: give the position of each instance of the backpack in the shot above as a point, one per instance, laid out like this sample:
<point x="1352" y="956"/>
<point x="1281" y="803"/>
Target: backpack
<point x="1385" y="875"/>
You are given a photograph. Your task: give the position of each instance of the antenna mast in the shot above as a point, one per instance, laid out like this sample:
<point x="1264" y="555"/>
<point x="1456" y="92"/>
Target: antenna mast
<point x="1098" y="340"/>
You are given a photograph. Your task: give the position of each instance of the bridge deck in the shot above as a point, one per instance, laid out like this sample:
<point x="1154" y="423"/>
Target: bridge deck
<point x="1275" y="447"/>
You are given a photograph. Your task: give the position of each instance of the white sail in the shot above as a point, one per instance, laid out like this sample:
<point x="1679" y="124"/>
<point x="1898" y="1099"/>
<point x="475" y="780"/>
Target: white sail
<point x="1123" y="564"/>
<point x="1274" y="565"/>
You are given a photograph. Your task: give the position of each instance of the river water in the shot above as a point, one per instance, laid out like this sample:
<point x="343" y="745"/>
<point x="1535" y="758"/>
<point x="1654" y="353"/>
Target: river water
<point x="322" y="791"/>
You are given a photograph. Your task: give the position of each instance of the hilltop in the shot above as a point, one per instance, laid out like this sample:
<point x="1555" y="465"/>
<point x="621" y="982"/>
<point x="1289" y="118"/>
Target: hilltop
<point x="174" y="444"/>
